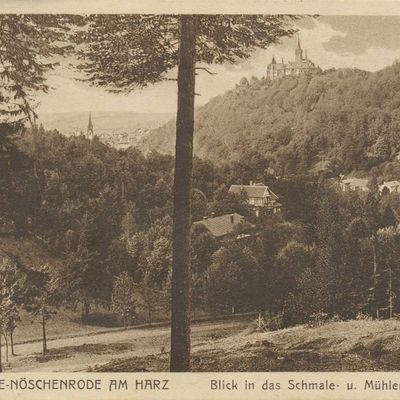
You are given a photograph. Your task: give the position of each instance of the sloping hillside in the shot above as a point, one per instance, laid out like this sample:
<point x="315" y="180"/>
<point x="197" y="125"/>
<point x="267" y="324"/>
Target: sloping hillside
<point x="31" y="251"/>
<point x="338" y="346"/>
<point x="349" y="117"/>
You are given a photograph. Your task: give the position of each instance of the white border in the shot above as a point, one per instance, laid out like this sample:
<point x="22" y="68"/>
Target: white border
<point x="322" y="7"/>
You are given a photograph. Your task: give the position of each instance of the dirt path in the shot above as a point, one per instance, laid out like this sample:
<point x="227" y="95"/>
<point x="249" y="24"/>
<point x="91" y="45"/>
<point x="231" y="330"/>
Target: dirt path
<point x="225" y="346"/>
<point x="83" y="352"/>
<point x="336" y="346"/>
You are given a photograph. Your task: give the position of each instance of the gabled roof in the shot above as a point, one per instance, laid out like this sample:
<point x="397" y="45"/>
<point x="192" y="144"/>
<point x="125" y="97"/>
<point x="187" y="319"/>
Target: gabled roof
<point x="391" y="184"/>
<point x="223" y="225"/>
<point x="257" y="190"/>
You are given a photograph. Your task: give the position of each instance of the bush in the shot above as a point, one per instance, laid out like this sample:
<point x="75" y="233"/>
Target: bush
<point x="273" y="323"/>
<point x="335" y="318"/>
<point x="317" y="319"/>
<point x="363" y="317"/>
<point x="100" y="318"/>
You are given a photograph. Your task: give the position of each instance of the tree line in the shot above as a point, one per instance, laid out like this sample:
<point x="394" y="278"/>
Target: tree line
<point x="106" y="217"/>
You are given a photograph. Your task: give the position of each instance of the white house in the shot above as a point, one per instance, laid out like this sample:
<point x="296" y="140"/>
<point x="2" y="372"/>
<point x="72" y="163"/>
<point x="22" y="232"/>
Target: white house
<point x="391" y="186"/>
<point x="259" y="196"/>
<point x="354" y="184"/>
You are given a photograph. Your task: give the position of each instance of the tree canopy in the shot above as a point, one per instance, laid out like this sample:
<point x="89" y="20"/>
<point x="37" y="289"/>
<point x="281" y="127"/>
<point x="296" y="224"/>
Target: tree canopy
<point x="29" y="45"/>
<point x="123" y="52"/>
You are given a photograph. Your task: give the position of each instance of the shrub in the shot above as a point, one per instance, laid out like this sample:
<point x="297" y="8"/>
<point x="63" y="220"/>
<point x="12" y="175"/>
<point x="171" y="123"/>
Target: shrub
<point x="272" y="323"/>
<point x="363" y="317"/>
<point x="317" y="319"/>
<point x="335" y="318"/>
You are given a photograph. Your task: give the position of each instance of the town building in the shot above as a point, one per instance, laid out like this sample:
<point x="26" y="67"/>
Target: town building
<point x="259" y="196"/>
<point x="223" y="225"/>
<point x="390" y="187"/>
<point x="300" y="65"/>
<point x="120" y="141"/>
<point x="354" y="184"/>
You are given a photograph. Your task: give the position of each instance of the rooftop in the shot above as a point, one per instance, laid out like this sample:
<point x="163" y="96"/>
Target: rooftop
<point x="356" y="182"/>
<point x="223" y="225"/>
<point x="253" y="190"/>
<point x="391" y="184"/>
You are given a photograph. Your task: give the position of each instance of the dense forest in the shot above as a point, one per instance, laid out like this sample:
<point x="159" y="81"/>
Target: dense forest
<point x="104" y="216"/>
<point x="96" y="230"/>
<point x="336" y="121"/>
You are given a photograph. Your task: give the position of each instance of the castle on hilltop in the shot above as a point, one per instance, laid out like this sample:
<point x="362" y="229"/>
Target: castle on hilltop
<point x="301" y="65"/>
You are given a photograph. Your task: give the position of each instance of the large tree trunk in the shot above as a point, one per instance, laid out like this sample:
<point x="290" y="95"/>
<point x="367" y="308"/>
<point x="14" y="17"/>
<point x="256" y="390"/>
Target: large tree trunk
<point x="180" y="291"/>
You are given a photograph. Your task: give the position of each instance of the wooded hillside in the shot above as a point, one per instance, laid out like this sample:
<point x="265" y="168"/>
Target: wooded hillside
<point x="343" y="120"/>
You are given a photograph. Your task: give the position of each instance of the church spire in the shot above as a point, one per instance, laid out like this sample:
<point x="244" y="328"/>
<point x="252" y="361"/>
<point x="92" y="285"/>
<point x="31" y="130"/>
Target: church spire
<point x="298" y="52"/>
<point x="90" y="131"/>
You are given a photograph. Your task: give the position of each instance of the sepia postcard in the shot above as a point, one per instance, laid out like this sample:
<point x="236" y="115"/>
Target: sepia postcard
<point x="199" y="200"/>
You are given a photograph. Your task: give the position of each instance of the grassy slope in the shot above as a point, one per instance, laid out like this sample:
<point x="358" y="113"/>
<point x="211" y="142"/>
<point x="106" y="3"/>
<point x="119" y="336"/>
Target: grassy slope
<point x="339" y="346"/>
<point x="33" y="254"/>
<point x="63" y="324"/>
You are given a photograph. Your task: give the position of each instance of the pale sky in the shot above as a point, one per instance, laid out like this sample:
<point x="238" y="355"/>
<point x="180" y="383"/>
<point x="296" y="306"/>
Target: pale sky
<point x="369" y="43"/>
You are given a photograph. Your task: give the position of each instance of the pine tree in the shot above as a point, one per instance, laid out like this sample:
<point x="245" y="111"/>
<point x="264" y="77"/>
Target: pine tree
<point x="388" y="217"/>
<point x="124" y="52"/>
<point x="28" y="45"/>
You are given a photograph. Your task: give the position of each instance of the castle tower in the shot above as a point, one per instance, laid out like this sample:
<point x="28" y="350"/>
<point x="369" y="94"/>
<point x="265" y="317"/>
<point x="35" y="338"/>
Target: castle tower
<point x="298" y="52"/>
<point x="301" y="64"/>
<point x="90" y="131"/>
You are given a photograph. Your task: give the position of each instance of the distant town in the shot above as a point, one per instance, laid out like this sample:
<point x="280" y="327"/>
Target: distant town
<point x="119" y="140"/>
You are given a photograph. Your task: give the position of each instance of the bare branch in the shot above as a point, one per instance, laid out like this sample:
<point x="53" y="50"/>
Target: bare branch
<point x="207" y="70"/>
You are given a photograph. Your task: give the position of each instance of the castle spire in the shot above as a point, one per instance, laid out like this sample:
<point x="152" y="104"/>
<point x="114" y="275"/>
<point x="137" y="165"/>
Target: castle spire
<point x="305" y="54"/>
<point x="273" y="60"/>
<point x="90" y="131"/>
